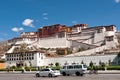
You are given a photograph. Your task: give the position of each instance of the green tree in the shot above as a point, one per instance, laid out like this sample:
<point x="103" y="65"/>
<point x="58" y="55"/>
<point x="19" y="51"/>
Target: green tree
<point x="91" y="64"/>
<point x="51" y="64"/>
<point x="109" y="62"/>
<point x="82" y="62"/>
<point x="57" y="64"/>
<point x="100" y="62"/>
<point x="118" y="58"/>
<point x="103" y="64"/>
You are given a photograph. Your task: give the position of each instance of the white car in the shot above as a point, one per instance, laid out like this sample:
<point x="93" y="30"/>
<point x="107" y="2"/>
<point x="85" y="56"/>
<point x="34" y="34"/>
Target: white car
<point x="47" y="72"/>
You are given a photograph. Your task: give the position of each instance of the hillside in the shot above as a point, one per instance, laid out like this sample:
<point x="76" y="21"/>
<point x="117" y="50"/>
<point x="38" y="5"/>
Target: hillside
<point x="3" y="47"/>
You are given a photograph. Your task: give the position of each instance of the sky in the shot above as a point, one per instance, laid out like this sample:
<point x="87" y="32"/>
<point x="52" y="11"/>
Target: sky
<point x="18" y="16"/>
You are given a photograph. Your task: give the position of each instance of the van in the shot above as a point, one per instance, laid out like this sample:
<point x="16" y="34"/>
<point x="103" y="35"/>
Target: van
<point x="77" y="69"/>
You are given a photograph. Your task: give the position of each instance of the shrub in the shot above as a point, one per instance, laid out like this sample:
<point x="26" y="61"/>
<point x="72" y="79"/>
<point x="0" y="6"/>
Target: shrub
<point x="57" y="64"/>
<point x="113" y="68"/>
<point x="100" y="62"/>
<point x="2" y="69"/>
<point x="2" y="61"/>
<point x="57" y="67"/>
<point x="109" y="62"/>
<point x="101" y="68"/>
<point x="118" y="58"/>
<point x="91" y="64"/>
<point x="27" y="68"/>
<point x="82" y="62"/>
<point x="12" y="67"/>
<point x="103" y="65"/>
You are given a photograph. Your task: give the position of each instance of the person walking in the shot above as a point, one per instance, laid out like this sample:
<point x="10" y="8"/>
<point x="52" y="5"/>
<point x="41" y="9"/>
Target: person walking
<point x="38" y="68"/>
<point x="8" y="68"/>
<point x="23" y="69"/>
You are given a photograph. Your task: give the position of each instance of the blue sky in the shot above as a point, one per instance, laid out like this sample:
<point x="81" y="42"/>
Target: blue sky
<point x="28" y="15"/>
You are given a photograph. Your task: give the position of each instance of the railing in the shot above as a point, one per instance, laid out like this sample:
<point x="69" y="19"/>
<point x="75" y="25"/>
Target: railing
<point x="81" y="34"/>
<point x="80" y="38"/>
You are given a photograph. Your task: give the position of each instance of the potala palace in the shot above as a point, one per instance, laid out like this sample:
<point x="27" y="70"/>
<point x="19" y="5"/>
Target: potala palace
<point x="65" y="44"/>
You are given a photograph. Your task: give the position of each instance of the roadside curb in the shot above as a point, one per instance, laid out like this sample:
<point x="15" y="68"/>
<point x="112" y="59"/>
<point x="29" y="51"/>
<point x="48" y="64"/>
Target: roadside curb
<point x="107" y="72"/>
<point x="17" y="72"/>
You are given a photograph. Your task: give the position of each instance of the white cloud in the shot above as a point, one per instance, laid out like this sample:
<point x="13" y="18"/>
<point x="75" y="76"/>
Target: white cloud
<point x="28" y="22"/>
<point x="45" y="18"/>
<point x="15" y="29"/>
<point x="74" y="22"/>
<point x="44" y="14"/>
<point x="117" y="1"/>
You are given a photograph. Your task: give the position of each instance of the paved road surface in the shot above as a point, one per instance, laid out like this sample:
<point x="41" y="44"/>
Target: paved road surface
<point x="85" y="77"/>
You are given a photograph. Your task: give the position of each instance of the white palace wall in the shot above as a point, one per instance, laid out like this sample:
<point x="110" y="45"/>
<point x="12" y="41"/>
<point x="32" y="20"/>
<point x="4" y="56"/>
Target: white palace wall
<point x="86" y="59"/>
<point x="54" y="42"/>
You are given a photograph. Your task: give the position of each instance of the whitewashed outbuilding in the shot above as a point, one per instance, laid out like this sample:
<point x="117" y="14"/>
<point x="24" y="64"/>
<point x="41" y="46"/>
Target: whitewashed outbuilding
<point x="32" y="58"/>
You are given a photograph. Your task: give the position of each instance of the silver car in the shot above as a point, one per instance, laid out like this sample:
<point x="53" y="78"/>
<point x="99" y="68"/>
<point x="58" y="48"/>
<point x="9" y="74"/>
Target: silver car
<point x="77" y="69"/>
<point x="47" y="72"/>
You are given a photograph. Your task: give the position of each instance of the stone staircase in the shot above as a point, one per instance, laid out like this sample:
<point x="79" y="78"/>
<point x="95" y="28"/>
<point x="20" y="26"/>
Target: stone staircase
<point x="94" y="51"/>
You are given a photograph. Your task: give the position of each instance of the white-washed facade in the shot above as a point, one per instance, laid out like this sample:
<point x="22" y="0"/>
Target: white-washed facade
<point x="83" y="37"/>
<point x="97" y="38"/>
<point x="33" y="58"/>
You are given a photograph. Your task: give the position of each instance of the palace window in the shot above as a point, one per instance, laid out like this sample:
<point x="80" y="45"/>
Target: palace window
<point x="32" y="58"/>
<point x="60" y="35"/>
<point x="99" y="30"/>
<point x="110" y="38"/>
<point x="109" y="28"/>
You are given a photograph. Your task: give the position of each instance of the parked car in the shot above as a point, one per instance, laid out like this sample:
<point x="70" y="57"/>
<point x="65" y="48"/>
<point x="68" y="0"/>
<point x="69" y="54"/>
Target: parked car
<point x="77" y="69"/>
<point x="47" y="72"/>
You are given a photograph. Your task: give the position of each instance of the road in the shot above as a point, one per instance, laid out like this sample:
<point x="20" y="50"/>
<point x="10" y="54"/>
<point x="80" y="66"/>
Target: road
<point x="85" y="77"/>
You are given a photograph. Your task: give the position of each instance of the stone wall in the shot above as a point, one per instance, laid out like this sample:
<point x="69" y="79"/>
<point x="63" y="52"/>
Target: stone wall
<point x="2" y="66"/>
<point x="86" y="59"/>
